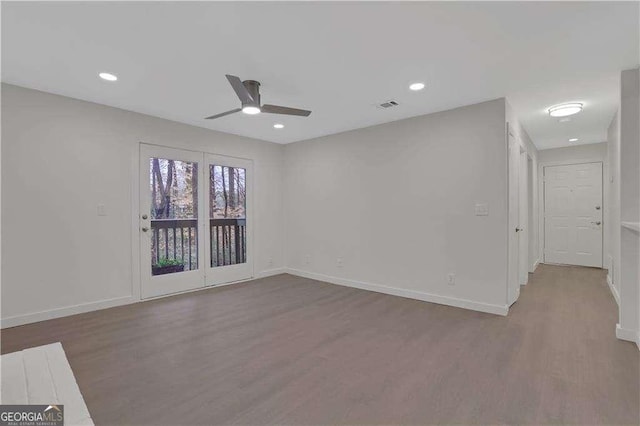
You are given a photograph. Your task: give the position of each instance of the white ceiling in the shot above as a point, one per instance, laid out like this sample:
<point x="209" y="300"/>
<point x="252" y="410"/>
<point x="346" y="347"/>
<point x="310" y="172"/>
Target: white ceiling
<point x="337" y="59"/>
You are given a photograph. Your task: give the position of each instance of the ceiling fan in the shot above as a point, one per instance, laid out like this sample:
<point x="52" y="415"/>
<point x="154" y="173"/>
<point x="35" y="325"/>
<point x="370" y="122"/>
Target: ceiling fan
<point x="249" y="93"/>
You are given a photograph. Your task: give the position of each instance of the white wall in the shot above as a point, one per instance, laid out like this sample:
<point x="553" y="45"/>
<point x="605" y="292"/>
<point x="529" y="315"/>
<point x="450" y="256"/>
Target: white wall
<point x="395" y="203"/>
<point x="613" y="184"/>
<point x="629" y="146"/>
<point x="574" y="153"/>
<point x="629" y="171"/>
<point x="61" y="158"/>
<point x="585" y="153"/>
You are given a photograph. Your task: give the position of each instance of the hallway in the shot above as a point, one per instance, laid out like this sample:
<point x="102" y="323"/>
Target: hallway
<point x="575" y="369"/>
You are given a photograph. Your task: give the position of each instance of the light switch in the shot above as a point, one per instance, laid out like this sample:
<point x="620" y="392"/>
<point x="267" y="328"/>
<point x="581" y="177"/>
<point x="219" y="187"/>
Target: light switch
<point x="482" y="209"/>
<point x="102" y="210"/>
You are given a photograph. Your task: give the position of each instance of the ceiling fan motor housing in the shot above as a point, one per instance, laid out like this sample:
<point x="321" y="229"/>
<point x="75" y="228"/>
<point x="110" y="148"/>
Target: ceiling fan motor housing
<point x="253" y="87"/>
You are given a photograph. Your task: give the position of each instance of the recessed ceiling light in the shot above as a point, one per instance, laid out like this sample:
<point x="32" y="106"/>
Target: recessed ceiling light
<point x="107" y="76"/>
<point x="565" y="109"/>
<point x="573" y="140"/>
<point x="278" y="126"/>
<point x="251" y="110"/>
<point x="416" y="86"/>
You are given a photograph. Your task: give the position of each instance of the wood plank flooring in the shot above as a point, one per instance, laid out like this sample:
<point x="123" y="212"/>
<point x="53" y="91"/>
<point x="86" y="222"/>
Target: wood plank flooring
<point x="288" y="350"/>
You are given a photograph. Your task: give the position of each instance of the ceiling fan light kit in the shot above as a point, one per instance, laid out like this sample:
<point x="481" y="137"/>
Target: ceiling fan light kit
<point x="248" y="92"/>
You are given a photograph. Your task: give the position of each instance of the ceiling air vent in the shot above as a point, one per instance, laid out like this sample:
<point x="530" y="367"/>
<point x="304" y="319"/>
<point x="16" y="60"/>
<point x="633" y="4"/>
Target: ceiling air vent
<point x="388" y="104"/>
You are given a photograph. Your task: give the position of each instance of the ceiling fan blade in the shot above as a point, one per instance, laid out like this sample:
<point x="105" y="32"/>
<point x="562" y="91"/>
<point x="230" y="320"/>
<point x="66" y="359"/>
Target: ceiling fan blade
<point x="241" y="91"/>
<point x="276" y="109"/>
<point x="222" y="114"/>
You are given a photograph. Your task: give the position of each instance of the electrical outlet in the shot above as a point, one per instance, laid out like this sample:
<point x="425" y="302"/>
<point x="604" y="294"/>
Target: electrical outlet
<point x="451" y="279"/>
<point x="339" y="262"/>
<point x="102" y="210"/>
<point x="307" y="259"/>
<point x="270" y="261"/>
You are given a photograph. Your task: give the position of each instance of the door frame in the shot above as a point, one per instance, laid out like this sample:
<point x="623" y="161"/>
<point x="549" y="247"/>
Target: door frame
<point x="523" y="212"/>
<point x="513" y="290"/>
<point x="532" y="212"/>
<point x="136" y="270"/>
<point x="541" y="203"/>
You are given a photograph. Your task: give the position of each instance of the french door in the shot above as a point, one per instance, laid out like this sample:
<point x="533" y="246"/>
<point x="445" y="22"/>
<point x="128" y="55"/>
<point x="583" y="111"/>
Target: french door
<point x="228" y="236"/>
<point x="195" y="225"/>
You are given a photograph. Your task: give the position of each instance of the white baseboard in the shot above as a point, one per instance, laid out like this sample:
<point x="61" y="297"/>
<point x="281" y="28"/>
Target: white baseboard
<point x="628" y="335"/>
<point x="411" y="294"/>
<point x="108" y="303"/>
<point x="614" y="290"/>
<point x="66" y="311"/>
<point x="535" y="265"/>
<point x="271" y="272"/>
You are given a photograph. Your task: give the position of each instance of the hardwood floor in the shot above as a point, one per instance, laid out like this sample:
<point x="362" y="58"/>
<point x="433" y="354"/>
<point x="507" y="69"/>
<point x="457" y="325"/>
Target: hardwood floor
<point x="288" y="350"/>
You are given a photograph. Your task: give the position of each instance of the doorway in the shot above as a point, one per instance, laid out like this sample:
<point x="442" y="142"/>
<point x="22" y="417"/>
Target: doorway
<point x="532" y="235"/>
<point x="523" y="210"/>
<point x="573" y="214"/>
<point x="195" y="220"/>
<point x="513" y="270"/>
<point x="519" y="216"/>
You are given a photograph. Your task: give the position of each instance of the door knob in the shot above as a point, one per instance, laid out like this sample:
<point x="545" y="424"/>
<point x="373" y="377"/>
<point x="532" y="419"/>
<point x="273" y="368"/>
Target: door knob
<point x="519" y="229"/>
<point x="145" y="229"/>
<point x="597" y="223"/>
<point x="144" y="216"/>
<point x="597" y="207"/>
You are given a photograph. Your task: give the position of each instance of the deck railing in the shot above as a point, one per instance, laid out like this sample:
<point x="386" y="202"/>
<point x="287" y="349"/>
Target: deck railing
<point x="177" y="239"/>
<point x="228" y="241"/>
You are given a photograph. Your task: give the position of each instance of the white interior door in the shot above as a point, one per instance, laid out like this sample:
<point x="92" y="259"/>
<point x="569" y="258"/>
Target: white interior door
<point x="229" y="242"/>
<point x="171" y="220"/>
<point x="573" y="214"/>
<point x="513" y="287"/>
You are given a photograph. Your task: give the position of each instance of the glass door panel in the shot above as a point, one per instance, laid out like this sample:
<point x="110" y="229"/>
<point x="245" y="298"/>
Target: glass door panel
<point x="174" y="215"/>
<point x="227" y="213"/>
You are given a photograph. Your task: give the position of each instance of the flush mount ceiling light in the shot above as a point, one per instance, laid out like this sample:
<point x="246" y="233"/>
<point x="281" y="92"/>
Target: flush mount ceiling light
<point x="416" y="86"/>
<point x="107" y="76"/>
<point x="564" y="110"/>
<point x="278" y="126"/>
<point x="251" y="110"/>
<point x="573" y="140"/>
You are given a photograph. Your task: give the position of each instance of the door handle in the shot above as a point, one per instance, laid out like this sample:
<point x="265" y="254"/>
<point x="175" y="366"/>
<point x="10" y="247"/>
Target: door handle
<point x="145" y="229"/>
<point x="596" y="223"/>
<point x="519" y="229"/>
